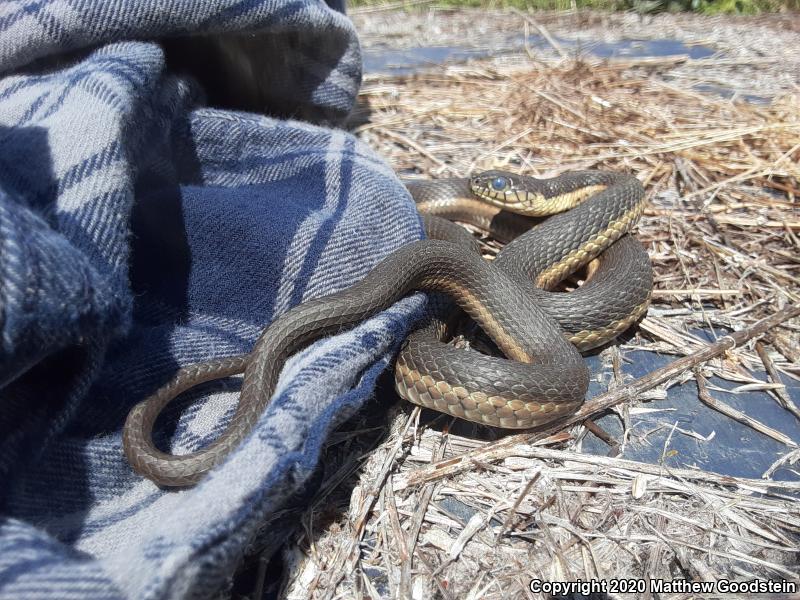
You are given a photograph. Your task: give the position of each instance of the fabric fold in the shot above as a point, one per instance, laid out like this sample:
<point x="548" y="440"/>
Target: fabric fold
<point x="148" y="222"/>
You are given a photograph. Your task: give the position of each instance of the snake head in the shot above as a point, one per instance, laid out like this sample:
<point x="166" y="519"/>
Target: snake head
<point x="506" y="191"/>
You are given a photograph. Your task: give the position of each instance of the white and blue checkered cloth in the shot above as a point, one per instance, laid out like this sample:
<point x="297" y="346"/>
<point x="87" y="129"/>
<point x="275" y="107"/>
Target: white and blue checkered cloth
<point x="141" y="231"/>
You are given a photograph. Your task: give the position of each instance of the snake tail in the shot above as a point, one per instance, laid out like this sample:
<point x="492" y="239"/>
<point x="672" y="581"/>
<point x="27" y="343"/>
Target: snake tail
<point x="429" y="265"/>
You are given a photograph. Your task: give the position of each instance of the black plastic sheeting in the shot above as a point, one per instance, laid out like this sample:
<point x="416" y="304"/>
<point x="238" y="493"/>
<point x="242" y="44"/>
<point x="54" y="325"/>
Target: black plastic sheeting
<point x="730" y="448"/>
<point x="735" y="449"/>
<point x="382" y="59"/>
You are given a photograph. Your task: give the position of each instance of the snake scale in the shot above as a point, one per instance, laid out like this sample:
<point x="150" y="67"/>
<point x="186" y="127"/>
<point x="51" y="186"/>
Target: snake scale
<point x="541" y="332"/>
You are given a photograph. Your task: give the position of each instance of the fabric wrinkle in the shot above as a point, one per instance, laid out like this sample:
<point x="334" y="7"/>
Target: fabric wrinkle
<point x="148" y="223"/>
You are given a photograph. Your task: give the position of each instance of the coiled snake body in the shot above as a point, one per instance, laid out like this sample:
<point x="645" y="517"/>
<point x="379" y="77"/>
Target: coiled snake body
<point x="540" y="331"/>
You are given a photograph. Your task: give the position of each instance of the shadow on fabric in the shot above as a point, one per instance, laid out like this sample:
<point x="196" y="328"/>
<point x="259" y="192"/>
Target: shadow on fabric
<point x="252" y="72"/>
<point x="39" y="359"/>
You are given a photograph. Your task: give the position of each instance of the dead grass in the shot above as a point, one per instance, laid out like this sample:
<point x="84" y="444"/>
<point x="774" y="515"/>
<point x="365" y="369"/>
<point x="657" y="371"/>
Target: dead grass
<point x="433" y="514"/>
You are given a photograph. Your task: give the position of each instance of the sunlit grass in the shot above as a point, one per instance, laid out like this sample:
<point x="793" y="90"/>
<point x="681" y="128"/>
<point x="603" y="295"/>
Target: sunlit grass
<point x="645" y="6"/>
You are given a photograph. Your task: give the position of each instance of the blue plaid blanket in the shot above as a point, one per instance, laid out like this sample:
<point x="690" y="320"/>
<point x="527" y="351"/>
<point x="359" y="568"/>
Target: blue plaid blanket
<point x="142" y="230"/>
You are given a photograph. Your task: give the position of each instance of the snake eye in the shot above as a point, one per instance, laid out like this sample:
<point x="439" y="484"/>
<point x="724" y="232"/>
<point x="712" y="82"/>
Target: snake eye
<point x="499" y="184"/>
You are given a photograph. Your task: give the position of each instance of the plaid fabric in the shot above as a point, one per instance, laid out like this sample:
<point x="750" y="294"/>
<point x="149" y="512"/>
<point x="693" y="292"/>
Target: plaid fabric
<point x="140" y="231"/>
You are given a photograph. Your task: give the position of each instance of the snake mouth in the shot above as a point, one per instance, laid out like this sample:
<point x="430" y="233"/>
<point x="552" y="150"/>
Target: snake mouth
<point x="504" y="191"/>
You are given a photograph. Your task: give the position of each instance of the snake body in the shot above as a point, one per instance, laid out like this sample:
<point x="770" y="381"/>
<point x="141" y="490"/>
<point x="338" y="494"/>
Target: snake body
<point x="509" y="299"/>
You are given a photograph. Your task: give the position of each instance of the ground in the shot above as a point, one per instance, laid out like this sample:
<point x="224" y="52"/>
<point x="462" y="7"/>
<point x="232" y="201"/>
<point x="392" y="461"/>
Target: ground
<point x="664" y="487"/>
<point x="755" y="56"/>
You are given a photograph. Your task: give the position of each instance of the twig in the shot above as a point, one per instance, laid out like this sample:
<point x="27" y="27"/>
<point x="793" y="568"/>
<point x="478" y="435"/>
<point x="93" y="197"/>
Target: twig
<point x="416" y="521"/>
<point x="387" y="7"/>
<point x="600" y="433"/>
<point x="542" y="31"/>
<point x="792" y="353"/>
<point x="649" y="61"/>
<point x="499" y="449"/>
<point x="351" y="553"/>
<point x="737" y="415"/>
<point x="783" y="398"/>
<point x="789" y="458"/>
<point x="426" y="475"/>
<point x="405" y="140"/>
<point x="525" y="491"/>
<point x="705" y="293"/>
<point x="400" y="541"/>
<point x="659" y="376"/>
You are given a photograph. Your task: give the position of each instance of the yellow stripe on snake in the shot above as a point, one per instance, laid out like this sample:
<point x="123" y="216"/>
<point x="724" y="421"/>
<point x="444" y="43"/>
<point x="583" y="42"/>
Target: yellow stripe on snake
<point x="540" y="331"/>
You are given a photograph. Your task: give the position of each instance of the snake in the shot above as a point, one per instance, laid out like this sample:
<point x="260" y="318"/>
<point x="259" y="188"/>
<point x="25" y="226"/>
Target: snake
<point x="540" y="331"/>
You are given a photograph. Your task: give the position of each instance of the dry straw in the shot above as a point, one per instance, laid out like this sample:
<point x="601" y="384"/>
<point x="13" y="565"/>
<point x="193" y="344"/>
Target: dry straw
<point x="429" y="513"/>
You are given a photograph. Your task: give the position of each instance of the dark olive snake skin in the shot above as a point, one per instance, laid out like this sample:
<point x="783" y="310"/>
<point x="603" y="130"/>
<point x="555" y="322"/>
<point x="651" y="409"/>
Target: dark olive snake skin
<point x="540" y="332"/>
